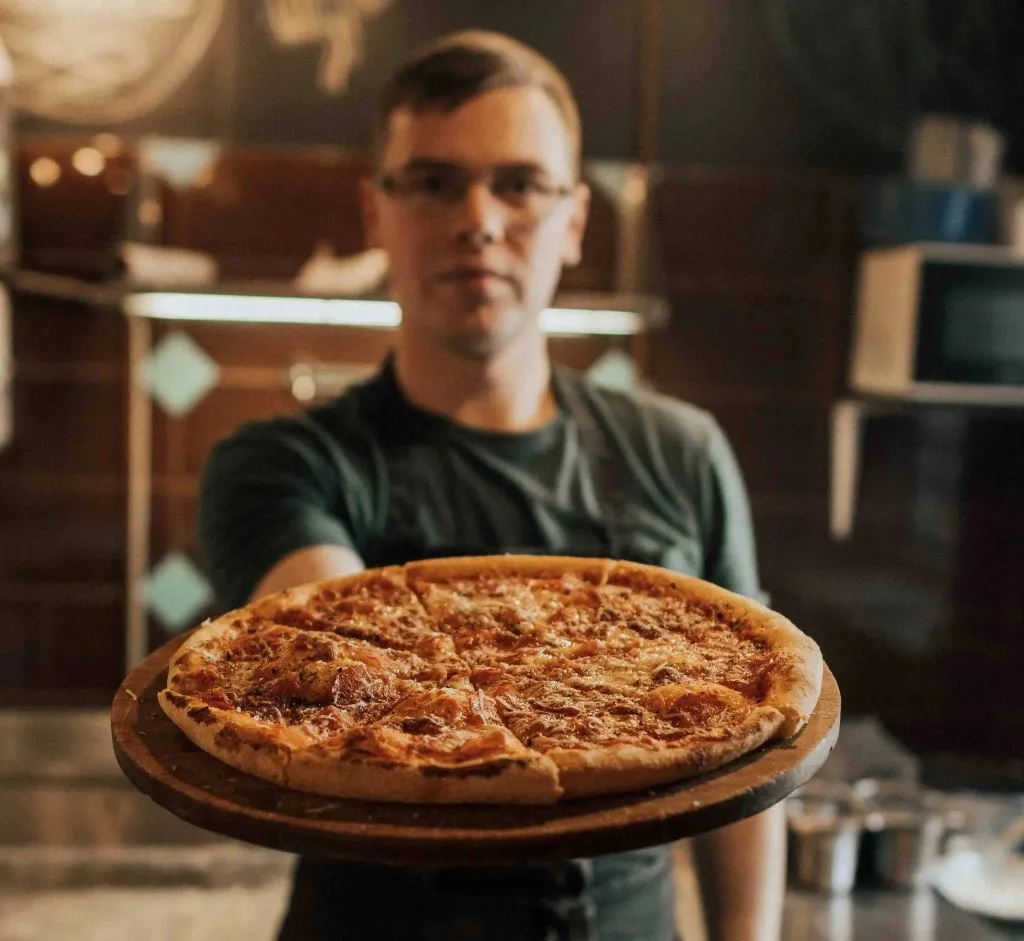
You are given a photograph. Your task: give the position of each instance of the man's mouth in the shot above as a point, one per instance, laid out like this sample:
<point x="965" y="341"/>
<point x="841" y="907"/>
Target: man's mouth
<point x="471" y="274"/>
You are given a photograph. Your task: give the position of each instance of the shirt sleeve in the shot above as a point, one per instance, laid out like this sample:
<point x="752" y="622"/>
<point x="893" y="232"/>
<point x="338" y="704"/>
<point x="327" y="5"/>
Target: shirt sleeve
<point x="269" y="490"/>
<point x="730" y="558"/>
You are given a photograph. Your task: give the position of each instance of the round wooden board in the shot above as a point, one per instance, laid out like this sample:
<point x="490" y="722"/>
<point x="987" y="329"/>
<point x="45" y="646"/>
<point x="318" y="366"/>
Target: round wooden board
<point x="160" y="761"/>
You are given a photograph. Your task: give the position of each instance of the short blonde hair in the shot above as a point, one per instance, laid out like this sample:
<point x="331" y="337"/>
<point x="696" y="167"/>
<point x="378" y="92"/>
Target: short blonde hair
<point x="449" y="71"/>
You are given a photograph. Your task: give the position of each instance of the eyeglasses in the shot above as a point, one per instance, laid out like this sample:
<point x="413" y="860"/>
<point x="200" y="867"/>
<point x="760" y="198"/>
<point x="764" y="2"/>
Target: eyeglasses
<point x="434" y="189"/>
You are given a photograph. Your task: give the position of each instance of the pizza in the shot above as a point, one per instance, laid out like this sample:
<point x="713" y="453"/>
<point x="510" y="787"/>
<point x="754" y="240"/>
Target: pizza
<point x="493" y="679"/>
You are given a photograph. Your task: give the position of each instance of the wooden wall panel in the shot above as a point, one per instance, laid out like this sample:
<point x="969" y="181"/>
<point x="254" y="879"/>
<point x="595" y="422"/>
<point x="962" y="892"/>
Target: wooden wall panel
<point x="776" y="343"/>
<point x="49" y="437"/>
<point x="50" y="332"/>
<point x="62" y="499"/>
<point x="62" y="644"/>
<point x="735" y="223"/>
<point x="758" y="268"/>
<point x="782" y="448"/>
<point x="54" y="531"/>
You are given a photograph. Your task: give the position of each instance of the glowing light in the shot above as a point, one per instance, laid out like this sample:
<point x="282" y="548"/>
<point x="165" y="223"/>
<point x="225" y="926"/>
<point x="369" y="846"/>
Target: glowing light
<point x="572" y="321"/>
<point x="45" y="171"/>
<point x="231" y="308"/>
<point x="304" y="388"/>
<point x="110" y="145"/>
<point x="88" y="161"/>
<point x="150" y="213"/>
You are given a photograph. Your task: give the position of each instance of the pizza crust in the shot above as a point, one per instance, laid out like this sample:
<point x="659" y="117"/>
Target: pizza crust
<point x="523" y="566"/>
<point x="289" y="757"/>
<point x="524" y="778"/>
<point x="619" y="768"/>
<point x="236" y="739"/>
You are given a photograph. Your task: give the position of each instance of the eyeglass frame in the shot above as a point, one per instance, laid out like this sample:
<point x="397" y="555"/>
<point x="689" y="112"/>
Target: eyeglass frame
<point x="388" y="182"/>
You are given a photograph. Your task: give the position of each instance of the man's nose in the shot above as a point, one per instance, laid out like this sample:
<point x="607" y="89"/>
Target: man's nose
<point x="481" y="214"/>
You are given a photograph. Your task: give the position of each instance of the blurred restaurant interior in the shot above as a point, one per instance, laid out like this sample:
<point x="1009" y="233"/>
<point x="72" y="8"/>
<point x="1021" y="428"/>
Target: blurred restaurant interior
<point x="182" y="251"/>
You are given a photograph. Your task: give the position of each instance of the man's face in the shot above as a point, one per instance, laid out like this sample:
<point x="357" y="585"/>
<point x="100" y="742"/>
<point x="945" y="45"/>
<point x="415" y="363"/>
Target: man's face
<point x="479" y="211"/>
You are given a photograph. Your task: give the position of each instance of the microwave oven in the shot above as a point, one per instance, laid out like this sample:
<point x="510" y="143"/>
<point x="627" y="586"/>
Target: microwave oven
<point x="940" y="322"/>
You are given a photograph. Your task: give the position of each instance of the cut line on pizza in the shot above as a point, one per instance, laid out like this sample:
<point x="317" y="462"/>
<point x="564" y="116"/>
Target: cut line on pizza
<point x="492" y="679"/>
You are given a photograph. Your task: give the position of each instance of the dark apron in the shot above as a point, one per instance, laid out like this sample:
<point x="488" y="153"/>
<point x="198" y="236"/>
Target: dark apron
<point x="622" y="897"/>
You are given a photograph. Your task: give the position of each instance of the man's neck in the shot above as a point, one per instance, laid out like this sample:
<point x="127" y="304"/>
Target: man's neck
<point x="509" y="392"/>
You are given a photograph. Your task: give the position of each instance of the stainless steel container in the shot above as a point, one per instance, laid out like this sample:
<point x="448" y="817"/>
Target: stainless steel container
<point x="907" y="845"/>
<point x="824" y="842"/>
<point x="904" y="832"/>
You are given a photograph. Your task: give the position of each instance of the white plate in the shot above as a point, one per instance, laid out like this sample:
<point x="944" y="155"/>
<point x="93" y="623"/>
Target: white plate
<point x="969" y="880"/>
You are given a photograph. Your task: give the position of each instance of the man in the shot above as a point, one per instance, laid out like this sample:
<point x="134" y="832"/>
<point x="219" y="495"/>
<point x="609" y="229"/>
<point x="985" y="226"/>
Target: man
<point x="468" y="442"/>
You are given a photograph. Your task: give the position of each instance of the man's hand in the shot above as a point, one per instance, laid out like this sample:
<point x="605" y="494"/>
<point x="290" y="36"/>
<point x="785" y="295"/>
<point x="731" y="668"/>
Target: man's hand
<point x="308" y="565"/>
<point x="741" y="870"/>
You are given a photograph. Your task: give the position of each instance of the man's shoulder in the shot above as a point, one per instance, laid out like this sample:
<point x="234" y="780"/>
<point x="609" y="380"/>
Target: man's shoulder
<point x="650" y="411"/>
<point x="335" y="425"/>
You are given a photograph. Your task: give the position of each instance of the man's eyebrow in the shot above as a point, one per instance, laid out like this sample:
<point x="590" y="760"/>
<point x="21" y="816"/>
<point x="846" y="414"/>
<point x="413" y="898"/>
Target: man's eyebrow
<point x="418" y="164"/>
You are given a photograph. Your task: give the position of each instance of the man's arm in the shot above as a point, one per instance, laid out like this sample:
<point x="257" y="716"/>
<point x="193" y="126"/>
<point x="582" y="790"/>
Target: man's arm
<point x="741" y="873"/>
<point x="308" y="565"/>
<point x="741" y="869"/>
<point x="282" y="503"/>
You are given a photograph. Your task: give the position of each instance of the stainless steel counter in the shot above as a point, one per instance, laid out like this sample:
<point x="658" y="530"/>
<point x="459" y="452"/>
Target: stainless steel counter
<point x="887" y="916"/>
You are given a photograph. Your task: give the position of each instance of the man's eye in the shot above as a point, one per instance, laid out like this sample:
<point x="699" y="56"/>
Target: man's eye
<point x="429" y="184"/>
<point x="518" y="186"/>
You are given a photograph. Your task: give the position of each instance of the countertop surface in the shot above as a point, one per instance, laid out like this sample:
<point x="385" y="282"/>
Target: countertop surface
<point x="888" y="916"/>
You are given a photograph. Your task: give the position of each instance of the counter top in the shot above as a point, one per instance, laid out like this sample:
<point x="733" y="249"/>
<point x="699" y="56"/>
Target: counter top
<point x="887" y="916"/>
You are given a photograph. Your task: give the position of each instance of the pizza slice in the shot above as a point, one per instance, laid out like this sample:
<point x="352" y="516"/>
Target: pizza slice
<point x="726" y="638"/>
<point x="609" y="726"/>
<point x="377" y="606"/>
<point x="436" y="746"/>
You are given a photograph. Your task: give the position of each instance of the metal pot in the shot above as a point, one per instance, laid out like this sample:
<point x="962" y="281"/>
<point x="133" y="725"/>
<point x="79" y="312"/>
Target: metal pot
<point x="824" y="842"/>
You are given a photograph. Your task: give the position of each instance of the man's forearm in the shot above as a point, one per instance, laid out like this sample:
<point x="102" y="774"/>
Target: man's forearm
<point x="741" y="870"/>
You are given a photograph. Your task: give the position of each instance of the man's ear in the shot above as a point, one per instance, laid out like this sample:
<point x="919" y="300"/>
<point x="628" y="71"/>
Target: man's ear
<point x="573" y="250"/>
<point x="368" y="210"/>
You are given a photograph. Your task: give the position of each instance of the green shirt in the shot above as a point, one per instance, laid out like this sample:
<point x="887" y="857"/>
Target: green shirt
<point x="374" y="473"/>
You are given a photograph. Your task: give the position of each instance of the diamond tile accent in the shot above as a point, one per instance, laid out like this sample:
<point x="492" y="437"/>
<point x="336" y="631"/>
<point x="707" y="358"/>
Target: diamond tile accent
<point x="178" y="161"/>
<point x="615" y="370"/>
<point x="177" y="593"/>
<point x="608" y="176"/>
<point x="179" y="374"/>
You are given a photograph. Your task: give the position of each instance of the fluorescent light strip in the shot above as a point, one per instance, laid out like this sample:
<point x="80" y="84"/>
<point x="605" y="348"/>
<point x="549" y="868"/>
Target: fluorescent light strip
<point x="580" y="321"/>
<point x="233" y="308"/>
